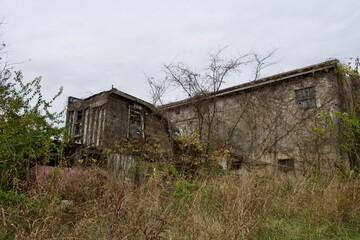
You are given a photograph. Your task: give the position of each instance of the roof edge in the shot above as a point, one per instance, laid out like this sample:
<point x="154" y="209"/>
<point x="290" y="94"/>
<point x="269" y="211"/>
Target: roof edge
<point x="116" y="92"/>
<point x="256" y="83"/>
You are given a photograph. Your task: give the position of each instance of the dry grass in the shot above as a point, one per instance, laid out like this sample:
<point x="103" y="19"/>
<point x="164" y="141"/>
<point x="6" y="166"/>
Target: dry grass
<point x="225" y="207"/>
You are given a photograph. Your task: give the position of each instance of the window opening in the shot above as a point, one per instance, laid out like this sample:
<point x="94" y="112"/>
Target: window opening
<point x="306" y="98"/>
<point x="286" y="165"/>
<point x="78" y="122"/>
<point x="136" y="122"/>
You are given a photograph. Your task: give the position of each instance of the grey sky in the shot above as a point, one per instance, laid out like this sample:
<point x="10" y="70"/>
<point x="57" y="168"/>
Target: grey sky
<point x="88" y="46"/>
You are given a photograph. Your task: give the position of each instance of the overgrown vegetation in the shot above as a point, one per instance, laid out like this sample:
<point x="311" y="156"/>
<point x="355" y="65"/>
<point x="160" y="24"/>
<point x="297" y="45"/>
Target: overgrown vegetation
<point x="28" y="130"/>
<point x="168" y="207"/>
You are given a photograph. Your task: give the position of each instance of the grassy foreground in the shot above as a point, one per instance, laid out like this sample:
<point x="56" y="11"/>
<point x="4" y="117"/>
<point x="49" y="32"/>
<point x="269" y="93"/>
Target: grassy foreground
<point x="223" y="207"/>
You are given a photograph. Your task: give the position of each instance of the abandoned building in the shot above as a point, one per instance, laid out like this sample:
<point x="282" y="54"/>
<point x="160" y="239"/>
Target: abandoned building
<point x="274" y="122"/>
<point x="270" y="123"/>
<point x="103" y="121"/>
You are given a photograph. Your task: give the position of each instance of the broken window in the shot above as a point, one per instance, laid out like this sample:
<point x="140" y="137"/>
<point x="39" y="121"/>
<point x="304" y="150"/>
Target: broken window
<point x="78" y="122"/>
<point x="136" y="122"/>
<point x="75" y="118"/>
<point x="286" y="165"/>
<point x="305" y="98"/>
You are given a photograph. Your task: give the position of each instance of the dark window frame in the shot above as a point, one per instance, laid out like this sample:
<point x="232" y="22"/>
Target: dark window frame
<point x="286" y="164"/>
<point x="78" y="122"/>
<point x="305" y="98"/>
<point x="136" y="128"/>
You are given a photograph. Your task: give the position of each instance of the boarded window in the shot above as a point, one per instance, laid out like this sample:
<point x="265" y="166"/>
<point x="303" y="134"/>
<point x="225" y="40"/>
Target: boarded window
<point x="305" y="98"/>
<point x="136" y="122"/>
<point x="286" y="165"/>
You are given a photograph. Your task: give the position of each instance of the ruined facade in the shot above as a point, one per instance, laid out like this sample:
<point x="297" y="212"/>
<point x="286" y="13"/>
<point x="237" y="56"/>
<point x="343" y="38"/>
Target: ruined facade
<point x="107" y="121"/>
<point x="272" y="123"/>
<point x="279" y="122"/>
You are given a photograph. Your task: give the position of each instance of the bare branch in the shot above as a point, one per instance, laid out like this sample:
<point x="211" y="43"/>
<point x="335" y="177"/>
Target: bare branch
<point x="263" y="62"/>
<point x="157" y="89"/>
<point x="181" y="76"/>
<point x="219" y="68"/>
<point x="211" y="80"/>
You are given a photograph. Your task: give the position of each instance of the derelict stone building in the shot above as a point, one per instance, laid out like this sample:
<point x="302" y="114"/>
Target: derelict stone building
<point x="278" y="122"/>
<point x="272" y="123"/>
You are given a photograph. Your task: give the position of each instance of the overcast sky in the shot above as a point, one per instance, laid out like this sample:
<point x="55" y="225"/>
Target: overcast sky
<point x="88" y="46"/>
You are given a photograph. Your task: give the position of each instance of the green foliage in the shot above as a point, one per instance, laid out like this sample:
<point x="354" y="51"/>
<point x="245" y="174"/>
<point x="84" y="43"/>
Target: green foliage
<point x="345" y="124"/>
<point x="11" y="197"/>
<point x="350" y="134"/>
<point x="18" y="203"/>
<point x="28" y="130"/>
<point x="184" y="189"/>
<point x="348" y="69"/>
<point x="173" y="172"/>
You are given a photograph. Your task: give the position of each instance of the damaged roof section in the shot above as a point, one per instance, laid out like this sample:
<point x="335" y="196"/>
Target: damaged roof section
<point x="102" y="119"/>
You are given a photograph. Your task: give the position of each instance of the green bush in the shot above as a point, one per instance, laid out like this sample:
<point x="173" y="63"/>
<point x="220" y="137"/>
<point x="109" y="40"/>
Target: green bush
<point x="28" y="130"/>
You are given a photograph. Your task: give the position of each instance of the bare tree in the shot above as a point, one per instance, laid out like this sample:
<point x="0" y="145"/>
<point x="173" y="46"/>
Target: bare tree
<point x="201" y="88"/>
<point x="211" y="80"/>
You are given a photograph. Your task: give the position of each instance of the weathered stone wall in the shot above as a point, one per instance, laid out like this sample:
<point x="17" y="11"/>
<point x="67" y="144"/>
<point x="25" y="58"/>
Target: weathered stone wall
<point x="265" y="125"/>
